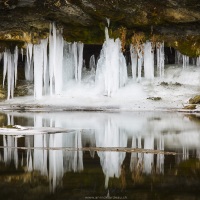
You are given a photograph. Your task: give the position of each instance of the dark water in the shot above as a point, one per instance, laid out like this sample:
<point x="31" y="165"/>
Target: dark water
<point x="39" y="172"/>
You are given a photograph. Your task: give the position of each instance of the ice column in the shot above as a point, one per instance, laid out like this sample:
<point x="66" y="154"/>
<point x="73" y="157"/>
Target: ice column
<point x="133" y="61"/>
<point x="111" y="67"/>
<point x="148" y="61"/>
<point x="140" y="61"/>
<point x="160" y="157"/>
<point x="38" y="71"/>
<point x="68" y="63"/>
<point x="29" y="62"/>
<point x="80" y="60"/>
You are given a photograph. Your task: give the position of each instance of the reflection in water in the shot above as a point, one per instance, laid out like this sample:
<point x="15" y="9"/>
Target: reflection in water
<point x="136" y="130"/>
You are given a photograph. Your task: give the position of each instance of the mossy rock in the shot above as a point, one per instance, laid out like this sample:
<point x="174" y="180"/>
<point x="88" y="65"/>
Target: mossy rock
<point x="190" y="107"/>
<point x="155" y="98"/>
<point x="195" y="100"/>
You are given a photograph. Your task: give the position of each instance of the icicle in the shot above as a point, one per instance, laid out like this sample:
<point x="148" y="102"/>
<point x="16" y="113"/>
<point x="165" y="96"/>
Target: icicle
<point x="111" y="67"/>
<point x="10" y="65"/>
<point x="133" y="61"/>
<point x="185" y="61"/>
<point x="80" y="60"/>
<point x="15" y="63"/>
<point x="56" y="45"/>
<point x="108" y="21"/>
<point x="45" y="65"/>
<point x="1" y="56"/>
<point x="29" y="62"/>
<point x="92" y="64"/>
<point x="140" y="60"/>
<point x="148" y="61"/>
<point x="22" y="52"/>
<point x="198" y="61"/>
<point x="68" y="63"/>
<point x="58" y="63"/>
<point x="75" y="60"/>
<point x="160" y="59"/>
<point x="38" y="71"/>
<point x="5" y="66"/>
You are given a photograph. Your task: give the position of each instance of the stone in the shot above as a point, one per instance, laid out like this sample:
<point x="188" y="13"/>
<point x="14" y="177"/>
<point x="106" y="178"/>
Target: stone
<point x="190" y="107"/>
<point x="176" y="22"/>
<point x="195" y="100"/>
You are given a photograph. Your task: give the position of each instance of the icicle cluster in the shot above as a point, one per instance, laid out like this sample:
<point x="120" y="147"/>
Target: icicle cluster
<point x="181" y="59"/>
<point x="10" y="69"/>
<point x="144" y="56"/>
<point x="111" y="66"/>
<point x="50" y="74"/>
<point x="160" y="59"/>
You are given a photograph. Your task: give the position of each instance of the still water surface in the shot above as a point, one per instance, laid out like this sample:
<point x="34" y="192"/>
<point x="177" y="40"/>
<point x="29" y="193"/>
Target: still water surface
<point x="39" y="172"/>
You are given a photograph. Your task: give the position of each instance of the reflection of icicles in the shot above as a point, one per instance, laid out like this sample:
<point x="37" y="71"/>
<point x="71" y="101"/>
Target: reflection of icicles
<point x="40" y="156"/>
<point x="16" y="154"/>
<point x="22" y="160"/>
<point x="185" y="153"/>
<point x="134" y="159"/>
<point x="148" y="158"/>
<point x="29" y="160"/>
<point x="160" y="157"/>
<point x="55" y="161"/>
<point x="5" y="150"/>
<point x="111" y="162"/>
<point x="78" y="157"/>
<point x="73" y="160"/>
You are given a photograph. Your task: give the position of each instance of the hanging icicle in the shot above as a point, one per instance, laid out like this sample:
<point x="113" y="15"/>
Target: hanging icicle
<point x="160" y="59"/>
<point x="148" y="61"/>
<point x="198" y="62"/>
<point x="133" y="61"/>
<point x="10" y="69"/>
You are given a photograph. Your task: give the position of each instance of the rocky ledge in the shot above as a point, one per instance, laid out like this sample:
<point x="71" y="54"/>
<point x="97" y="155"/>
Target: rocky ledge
<point x="177" y="22"/>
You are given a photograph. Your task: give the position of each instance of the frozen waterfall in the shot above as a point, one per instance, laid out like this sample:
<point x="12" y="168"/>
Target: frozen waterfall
<point x="111" y="66"/>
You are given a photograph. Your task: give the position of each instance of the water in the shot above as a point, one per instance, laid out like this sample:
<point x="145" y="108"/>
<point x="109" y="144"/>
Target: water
<point x="45" y="169"/>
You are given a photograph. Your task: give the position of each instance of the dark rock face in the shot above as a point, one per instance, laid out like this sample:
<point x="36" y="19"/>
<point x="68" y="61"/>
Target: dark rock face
<point x="175" y="21"/>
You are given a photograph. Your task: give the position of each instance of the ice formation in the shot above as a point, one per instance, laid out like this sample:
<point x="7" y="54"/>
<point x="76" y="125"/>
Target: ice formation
<point x="56" y="66"/>
<point x="111" y="66"/>
<point x="10" y="69"/>
<point x="101" y="130"/>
